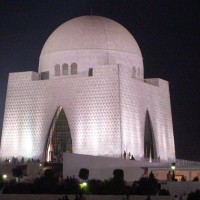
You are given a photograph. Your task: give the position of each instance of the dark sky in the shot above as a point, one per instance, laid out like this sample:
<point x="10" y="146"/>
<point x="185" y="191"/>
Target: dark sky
<point x="168" y="33"/>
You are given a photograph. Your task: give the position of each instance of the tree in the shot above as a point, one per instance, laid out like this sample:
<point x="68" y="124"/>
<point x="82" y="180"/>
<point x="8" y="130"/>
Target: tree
<point x="118" y="174"/>
<point x="83" y="173"/>
<point x="116" y="185"/>
<point x="146" y="186"/>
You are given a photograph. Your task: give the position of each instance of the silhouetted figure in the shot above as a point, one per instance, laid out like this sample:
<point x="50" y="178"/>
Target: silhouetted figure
<point x="132" y="158"/>
<point x="169" y="176"/>
<point x="173" y="176"/>
<point x="151" y="175"/>
<point x="13" y="160"/>
<point x="175" y="197"/>
<point x="183" y="178"/>
<point x="124" y="154"/>
<point x="148" y="197"/>
<point x="196" y="178"/>
<point x="22" y="160"/>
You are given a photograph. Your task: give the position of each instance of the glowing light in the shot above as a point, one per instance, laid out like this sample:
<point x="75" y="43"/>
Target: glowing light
<point x="5" y="176"/>
<point x="173" y="166"/>
<point x="48" y="157"/>
<point x="83" y="185"/>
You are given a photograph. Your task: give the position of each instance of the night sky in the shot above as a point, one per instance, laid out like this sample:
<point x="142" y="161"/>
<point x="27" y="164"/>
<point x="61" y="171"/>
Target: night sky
<point x="168" y="33"/>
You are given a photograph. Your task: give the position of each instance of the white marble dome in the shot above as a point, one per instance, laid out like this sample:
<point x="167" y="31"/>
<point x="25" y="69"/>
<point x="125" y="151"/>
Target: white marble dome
<point x="90" y="41"/>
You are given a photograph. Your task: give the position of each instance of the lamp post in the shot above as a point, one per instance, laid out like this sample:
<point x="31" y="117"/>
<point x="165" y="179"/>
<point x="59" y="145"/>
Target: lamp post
<point x="173" y="166"/>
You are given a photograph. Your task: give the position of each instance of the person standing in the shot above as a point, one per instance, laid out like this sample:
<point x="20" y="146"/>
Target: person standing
<point x="169" y="176"/>
<point x="151" y="175"/>
<point x="124" y="154"/>
<point x="173" y="176"/>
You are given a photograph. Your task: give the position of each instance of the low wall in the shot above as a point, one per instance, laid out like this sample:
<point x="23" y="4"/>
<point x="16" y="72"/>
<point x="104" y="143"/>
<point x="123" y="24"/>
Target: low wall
<point x="71" y="197"/>
<point x="182" y="187"/>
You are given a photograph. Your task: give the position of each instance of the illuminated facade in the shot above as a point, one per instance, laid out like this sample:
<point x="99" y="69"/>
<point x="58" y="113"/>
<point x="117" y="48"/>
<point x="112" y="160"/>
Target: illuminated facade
<point x="88" y="97"/>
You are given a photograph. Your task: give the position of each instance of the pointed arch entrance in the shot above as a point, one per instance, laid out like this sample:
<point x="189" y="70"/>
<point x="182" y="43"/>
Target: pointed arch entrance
<point x="59" y="137"/>
<point x="149" y="139"/>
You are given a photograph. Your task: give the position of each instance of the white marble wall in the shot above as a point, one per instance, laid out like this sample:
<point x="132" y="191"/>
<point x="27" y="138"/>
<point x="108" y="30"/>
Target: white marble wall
<point x="91" y="105"/>
<point x="136" y="97"/>
<point x="105" y="112"/>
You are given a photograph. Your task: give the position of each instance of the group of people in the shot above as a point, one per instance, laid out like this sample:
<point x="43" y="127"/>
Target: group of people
<point x="16" y="161"/>
<point x="64" y="198"/>
<point x="77" y="197"/>
<point x="171" y="177"/>
<point x="129" y="156"/>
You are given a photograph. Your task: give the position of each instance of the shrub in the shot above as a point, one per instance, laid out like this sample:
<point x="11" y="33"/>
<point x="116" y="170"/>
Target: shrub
<point x="194" y="195"/>
<point x="83" y="173"/>
<point x="146" y="186"/>
<point x="118" y="174"/>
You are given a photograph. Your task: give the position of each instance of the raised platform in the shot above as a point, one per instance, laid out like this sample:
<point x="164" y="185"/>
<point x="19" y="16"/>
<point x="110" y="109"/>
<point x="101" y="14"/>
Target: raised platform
<point x="102" y="167"/>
